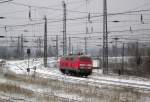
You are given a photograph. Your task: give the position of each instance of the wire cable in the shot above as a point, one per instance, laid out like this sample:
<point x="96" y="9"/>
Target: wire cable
<point x="5" y="1"/>
<point x="55" y="9"/>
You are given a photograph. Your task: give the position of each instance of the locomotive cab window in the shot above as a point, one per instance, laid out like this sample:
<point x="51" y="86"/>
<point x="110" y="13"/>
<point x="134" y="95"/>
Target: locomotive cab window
<point x="85" y="59"/>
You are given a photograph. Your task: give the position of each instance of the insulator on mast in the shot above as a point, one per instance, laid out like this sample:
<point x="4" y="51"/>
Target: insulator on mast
<point x="92" y="29"/>
<point x="142" y="19"/>
<point x="30" y="13"/>
<point x="131" y="29"/>
<point x="5" y="29"/>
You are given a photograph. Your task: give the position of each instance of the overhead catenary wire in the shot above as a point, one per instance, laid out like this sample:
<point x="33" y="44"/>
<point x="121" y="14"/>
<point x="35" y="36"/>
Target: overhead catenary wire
<point x="143" y="5"/>
<point x="109" y="14"/>
<point x="99" y="15"/>
<point x="55" y="9"/>
<point x="126" y="12"/>
<point x="13" y="12"/>
<point x="4" y="1"/>
<point x="111" y="32"/>
<point x="60" y="20"/>
<point x="118" y="14"/>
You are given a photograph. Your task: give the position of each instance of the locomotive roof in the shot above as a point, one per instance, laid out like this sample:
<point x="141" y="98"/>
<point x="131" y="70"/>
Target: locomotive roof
<point x="75" y="56"/>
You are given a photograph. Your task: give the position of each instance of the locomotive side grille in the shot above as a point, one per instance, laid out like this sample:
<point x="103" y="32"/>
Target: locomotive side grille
<point x="85" y="66"/>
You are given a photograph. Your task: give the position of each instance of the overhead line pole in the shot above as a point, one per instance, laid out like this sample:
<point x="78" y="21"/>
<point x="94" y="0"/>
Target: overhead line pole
<point x="116" y="51"/>
<point x="85" y="45"/>
<point x="39" y="47"/>
<point x="69" y="50"/>
<point x="105" y="38"/>
<point x="57" y="46"/>
<point x="122" y="67"/>
<point x="87" y="30"/>
<point x="86" y="20"/>
<point x="45" y="42"/>
<point x="5" y="1"/>
<point x="64" y="30"/>
<point x="18" y="47"/>
<point x="21" y="47"/>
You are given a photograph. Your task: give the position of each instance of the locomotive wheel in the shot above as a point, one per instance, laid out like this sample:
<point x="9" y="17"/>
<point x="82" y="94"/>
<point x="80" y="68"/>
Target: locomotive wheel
<point x="63" y="71"/>
<point x="84" y="73"/>
<point x="71" y="73"/>
<point x="67" y="72"/>
<point x="79" y="74"/>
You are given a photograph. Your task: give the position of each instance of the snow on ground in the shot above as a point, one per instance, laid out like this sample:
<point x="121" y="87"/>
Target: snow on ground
<point x="96" y="79"/>
<point x="118" y="59"/>
<point x="70" y="96"/>
<point x="19" y="67"/>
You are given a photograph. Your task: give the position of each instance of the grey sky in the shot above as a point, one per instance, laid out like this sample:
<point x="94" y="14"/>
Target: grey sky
<point x="18" y="15"/>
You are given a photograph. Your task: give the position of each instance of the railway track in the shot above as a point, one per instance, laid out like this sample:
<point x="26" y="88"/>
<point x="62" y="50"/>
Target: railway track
<point x="53" y="96"/>
<point x="97" y="81"/>
<point x="93" y="80"/>
<point x="123" y="83"/>
<point x="63" y="99"/>
<point x="8" y="98"/>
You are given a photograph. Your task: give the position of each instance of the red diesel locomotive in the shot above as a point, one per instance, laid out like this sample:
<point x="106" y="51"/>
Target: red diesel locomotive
<point x="76" y="65"/>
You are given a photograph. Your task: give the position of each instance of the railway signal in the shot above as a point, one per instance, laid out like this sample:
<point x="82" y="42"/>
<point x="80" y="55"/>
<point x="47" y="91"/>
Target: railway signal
<point x="28" y="53"/>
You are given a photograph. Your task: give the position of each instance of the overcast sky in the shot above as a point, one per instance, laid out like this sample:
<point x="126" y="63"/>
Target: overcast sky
<point x="17" y="14"/>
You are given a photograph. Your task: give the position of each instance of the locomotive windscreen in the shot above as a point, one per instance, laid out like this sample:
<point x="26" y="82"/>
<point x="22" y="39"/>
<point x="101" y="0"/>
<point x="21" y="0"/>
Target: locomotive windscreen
<point x="85" y="59"/>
